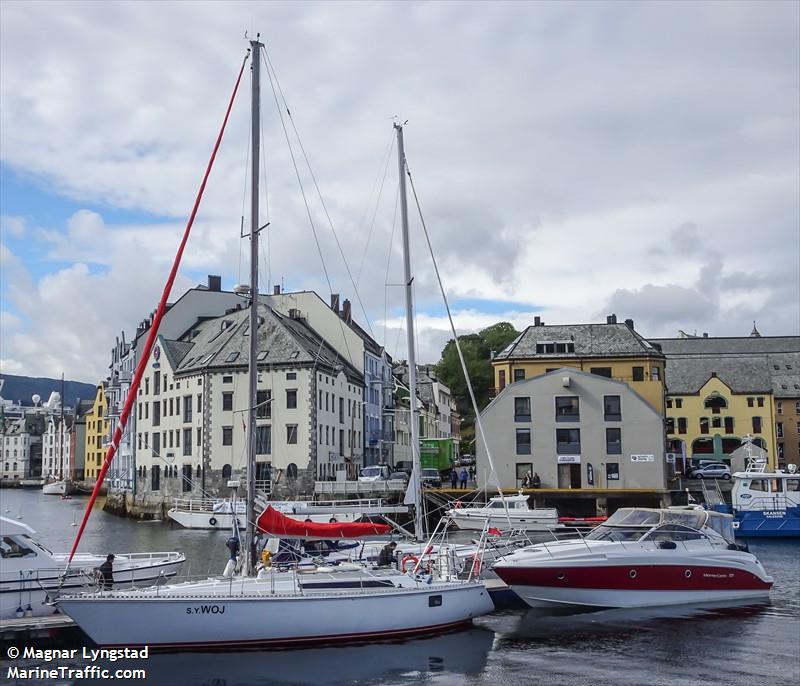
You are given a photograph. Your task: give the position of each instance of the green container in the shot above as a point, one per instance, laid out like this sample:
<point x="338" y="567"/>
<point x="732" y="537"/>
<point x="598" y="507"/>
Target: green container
<point x="437" y="453"/>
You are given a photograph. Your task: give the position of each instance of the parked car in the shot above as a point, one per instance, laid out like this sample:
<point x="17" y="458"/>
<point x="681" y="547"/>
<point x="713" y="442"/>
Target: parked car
<point x="466" y="459"/>
<point x="431" y="477"/>
<point x="715" y="470"/>
<point x="399" y="476"/>
<point x="374" y="473"/>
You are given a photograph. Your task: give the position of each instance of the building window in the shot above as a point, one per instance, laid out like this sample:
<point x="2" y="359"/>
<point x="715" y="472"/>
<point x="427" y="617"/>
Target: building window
<point x="227" y="435"/>
<point x="750" y="402"/>
<point x="612" y="408"/>
<point x="681" y="425"/>
<point x="779" y="428"/>
<point x="756" y="425"/>
<point x="291" y="434"/>
<point x="501" y="375"/>
<point x="187" y="441"/>
<point x="226" y="471"/>
<point x="291" y="376"/>
<point x="612" y="471"/>
<point x="669" y="403"/>
<point x="670" y="424"/>
<point x="568" y="441"/>
<point x="341" y="410"/>
<point x="199" y="433"/>
<point x="156" y="414"/>
<point x="779" y="407"/>
<point x="187" y="408"/>
<point x="291" y="398"/>
<point x="655" y="373"/>
<point x="157" y="443"/>
<point x="638" y="373"/>
<point x="678" y="403"/>
<point x="263" y="440"/>
<point x="155" y="475"/>
<point x="171" y="407"/>
<point x="567" y="408"/>
<point x="156" y="383"/>
<point x="291" y="471"/>
<point x="614" y="441"/>
<point x="264" y="404"/>
<point x="728" y="425"/>
<point x="715" y="403"/>
<point x="601" y="371"/>
<point x="760" y="402"/>
<point x="522" y="409"/>
<point x="523" y="441"/>
<point x="199" y="402"/>
<point x="227" y="402"/>
<point x="703" y="425"/>
<point x="519" y="375"/>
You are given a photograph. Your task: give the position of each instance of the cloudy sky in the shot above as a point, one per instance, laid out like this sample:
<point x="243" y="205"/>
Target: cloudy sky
<point x="572" y="160"/>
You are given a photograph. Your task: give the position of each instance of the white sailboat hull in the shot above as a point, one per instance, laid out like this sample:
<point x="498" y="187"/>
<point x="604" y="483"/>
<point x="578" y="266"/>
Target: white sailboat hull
<point x="223" y="618"/>
<point x="523" y="521"/>
<point x="55" y="488"/>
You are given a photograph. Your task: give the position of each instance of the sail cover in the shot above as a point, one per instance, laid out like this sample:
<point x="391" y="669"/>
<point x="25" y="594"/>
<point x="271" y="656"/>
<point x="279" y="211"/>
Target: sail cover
<point x="277" y="524"/>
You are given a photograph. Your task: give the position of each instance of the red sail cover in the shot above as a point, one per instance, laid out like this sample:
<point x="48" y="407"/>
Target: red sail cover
<point x="277" y="524"/>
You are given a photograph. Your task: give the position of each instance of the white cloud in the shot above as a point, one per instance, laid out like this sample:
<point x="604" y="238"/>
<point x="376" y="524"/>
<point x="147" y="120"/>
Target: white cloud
<point x="555" y="148"/>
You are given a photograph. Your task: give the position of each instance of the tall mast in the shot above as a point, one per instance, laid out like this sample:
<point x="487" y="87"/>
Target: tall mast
<point x="416" y="474"/>
<point x="255" y="130"/>
<point x="61" y="433"/>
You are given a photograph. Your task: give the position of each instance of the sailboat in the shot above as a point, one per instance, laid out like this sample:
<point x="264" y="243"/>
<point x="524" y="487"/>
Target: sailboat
<point x="267" y="606"/>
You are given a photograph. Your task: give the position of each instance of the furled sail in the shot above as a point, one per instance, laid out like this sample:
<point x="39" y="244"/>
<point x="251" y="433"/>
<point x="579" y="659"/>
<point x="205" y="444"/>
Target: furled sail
<point x="277" y="524"/>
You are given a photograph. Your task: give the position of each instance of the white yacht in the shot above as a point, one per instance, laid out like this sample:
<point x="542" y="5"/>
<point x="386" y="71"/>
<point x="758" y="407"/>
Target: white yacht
<point x="638" y="558"/>
<point x="506" y="513"/>
<point x="30" y="574"/>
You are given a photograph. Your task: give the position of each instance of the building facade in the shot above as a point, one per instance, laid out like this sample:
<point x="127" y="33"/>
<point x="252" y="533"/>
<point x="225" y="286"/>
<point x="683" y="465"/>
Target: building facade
<point x="96" y="435"/>
<point x="575" y="429"/>
<point x="192" y="409"/>
<point x="720" y="389"/>
<point x="611" y="350"/>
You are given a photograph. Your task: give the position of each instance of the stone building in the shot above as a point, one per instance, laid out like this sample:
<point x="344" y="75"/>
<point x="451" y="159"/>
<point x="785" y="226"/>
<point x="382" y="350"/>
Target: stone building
<point x="192" y="409"/>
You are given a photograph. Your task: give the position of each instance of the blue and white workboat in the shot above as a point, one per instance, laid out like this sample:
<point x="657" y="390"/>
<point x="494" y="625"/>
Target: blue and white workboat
<point x="766" y="504"/>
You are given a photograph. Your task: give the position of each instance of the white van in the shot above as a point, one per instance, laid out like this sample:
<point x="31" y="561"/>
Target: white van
<point x="374" y="473"/>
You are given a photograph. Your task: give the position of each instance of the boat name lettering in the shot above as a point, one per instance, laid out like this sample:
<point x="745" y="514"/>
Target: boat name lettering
<point x="206" y="610"/>
<point x="774" y="513"/>
<point x="718" y="575"/>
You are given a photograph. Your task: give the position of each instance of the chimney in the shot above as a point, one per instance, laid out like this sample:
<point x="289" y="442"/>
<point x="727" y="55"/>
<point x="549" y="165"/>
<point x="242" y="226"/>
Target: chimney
<point x="537" y="320"/>
<point x="276" y="289"/>
<point x="214" y="282"/>
<point x="629" y="324"/>
<point x="335" y="302"/>
<point x="347" y="314"/>
<point x="611" y="319"/>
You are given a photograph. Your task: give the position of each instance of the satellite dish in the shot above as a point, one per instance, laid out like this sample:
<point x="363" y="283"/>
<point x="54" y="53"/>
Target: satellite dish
<point x="36" y="398"/>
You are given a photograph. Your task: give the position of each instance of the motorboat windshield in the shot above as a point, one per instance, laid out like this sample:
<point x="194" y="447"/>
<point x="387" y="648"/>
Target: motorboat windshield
<point x="635" y="524"/>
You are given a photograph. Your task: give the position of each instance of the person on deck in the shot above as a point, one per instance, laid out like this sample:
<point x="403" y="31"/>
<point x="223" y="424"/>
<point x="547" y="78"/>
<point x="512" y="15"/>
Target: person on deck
<point x="386" y="556"/>
<point x="464" y="476"/>
<point x="454" y="478"/>
<point x="107" y="573"/>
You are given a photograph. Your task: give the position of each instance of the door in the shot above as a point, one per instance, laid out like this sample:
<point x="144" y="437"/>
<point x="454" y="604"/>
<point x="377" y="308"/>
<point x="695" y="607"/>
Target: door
<point x="564" y="476"/>
<point x="155" y="478"/>
<point x="574" y="476"/>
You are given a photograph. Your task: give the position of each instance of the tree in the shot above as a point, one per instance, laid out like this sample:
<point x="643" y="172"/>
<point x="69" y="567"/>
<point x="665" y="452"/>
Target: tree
<point x="477" y="349"/>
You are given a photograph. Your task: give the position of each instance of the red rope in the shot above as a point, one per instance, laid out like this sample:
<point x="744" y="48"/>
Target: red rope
<point x="145" y="352"/>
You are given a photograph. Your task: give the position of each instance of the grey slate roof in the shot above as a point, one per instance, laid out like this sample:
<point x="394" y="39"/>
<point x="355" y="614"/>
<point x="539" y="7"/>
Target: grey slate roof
<point x="687" y="374"/>
<point x="741" y="345"/>
<point x="175" y="351"/>
<point x="591" y="340"/>
<point x="786" y="378"/>
<point x="223" y="342"/>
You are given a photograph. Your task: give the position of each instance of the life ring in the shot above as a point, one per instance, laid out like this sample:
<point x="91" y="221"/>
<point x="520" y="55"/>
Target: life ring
<point x="213" y="521"/>
<point x="408" y="558"/>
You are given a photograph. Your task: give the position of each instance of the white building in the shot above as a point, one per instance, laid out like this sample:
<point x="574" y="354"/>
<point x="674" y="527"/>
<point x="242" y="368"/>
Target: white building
<point x="191" y="431"/>
<point x="56" y="461"/>
<point x="16" y="450"/>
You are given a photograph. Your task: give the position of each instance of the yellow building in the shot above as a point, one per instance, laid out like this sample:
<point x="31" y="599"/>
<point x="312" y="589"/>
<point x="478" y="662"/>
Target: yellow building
<point x="96" y="431"/>
<point x="612" y="350"/>
<point x="709" y="423"/>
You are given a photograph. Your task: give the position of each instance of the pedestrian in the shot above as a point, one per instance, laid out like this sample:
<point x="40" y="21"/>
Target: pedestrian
<point x="107" y="573"/>
<point x="454" y="478"/>
<point x="386" y="556"/>
<point x="536" y="482"/>
<point x="472" y="473"/>
<point x="464" y="477"/>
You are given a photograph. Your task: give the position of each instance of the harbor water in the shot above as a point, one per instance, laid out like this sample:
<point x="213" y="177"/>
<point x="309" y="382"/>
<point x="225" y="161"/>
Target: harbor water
<point x="679" y="646"/>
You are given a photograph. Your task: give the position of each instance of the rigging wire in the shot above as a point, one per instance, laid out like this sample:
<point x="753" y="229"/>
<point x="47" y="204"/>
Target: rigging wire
<point x="375" y="212"/>
<point x="474" y="402"/>
<point x="244" y="195"/>
<point x="271" y="72"/>
<point x="388" y="264"/>
<point x="273" y="84"/>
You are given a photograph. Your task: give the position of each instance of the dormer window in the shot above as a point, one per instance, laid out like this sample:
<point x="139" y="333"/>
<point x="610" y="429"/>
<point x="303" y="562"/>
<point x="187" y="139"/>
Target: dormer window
<point x="554" y="347"/>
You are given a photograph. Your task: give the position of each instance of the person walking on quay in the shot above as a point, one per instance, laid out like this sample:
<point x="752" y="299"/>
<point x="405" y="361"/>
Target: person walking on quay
<point x="472" y="473"/>
<point x="107" y="573"/>
<point x="454" y="478"/>
<point x="464" y="477"/>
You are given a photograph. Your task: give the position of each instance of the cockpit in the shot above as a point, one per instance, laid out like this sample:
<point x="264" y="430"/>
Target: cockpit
<point x="640" y="524"/>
